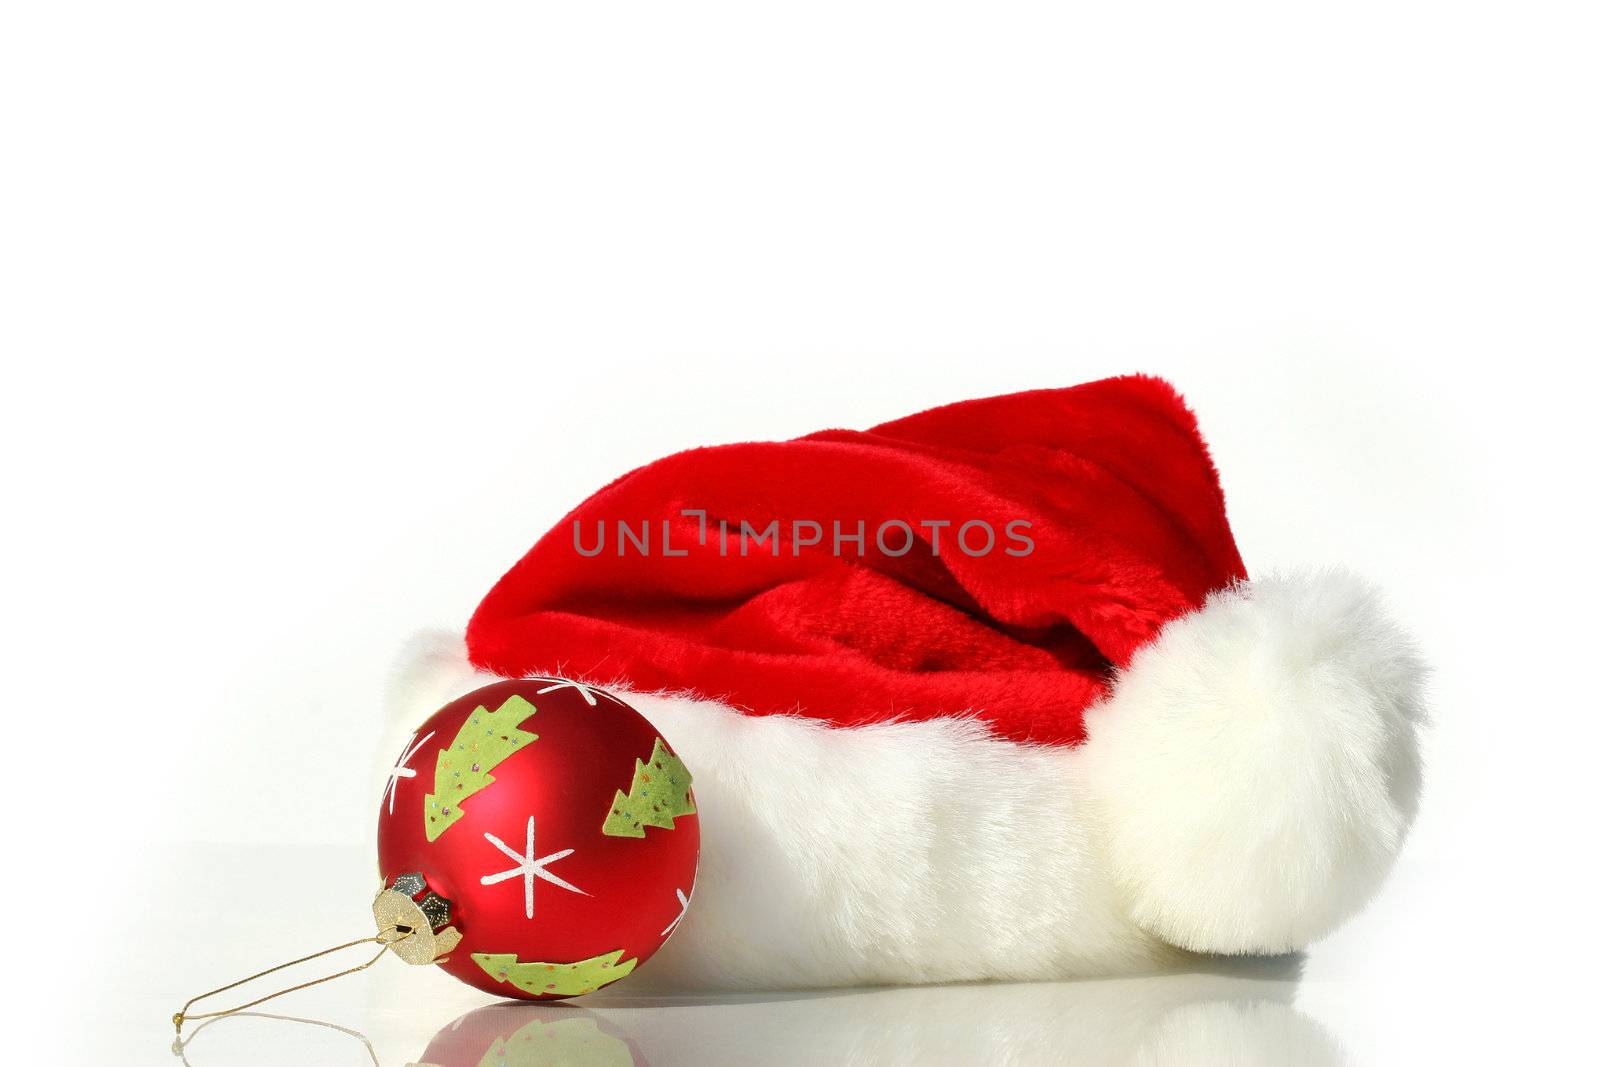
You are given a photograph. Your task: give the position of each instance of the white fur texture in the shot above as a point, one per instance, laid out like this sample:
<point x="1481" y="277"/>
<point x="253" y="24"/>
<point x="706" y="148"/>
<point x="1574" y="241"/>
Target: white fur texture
<point x="1244" y="788"/>
<point x="903" y="853"/>
<point x="1256" y="768"/>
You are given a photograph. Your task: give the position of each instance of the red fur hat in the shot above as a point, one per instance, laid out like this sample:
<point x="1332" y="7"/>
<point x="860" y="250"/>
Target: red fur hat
<point x="1019" y="629"/>
<point x="1002" y="556"/>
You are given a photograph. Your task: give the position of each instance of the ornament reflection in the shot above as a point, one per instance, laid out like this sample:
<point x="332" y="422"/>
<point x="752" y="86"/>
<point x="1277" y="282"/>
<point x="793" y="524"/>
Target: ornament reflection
<point x="530" y="1035"/>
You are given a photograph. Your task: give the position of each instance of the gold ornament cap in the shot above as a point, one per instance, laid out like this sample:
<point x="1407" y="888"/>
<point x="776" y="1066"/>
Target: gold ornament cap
<point x="414" y="922"/>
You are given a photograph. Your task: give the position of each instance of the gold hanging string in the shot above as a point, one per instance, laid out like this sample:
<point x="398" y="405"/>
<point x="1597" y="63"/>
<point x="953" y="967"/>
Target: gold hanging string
<point x="381" y="938"/>
<point x="181" y="1045"/>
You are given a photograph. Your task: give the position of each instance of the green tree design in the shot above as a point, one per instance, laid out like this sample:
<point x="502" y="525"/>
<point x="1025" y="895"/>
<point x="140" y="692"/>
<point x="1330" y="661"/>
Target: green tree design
<point x="484" y="741"/>
<point x="559" y="979"/>
<point x="659" y="793"/>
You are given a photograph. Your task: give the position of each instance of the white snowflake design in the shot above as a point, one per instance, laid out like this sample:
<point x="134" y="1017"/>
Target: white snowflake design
<point x="528" y="868"/>
<point x="401" y="770"/>
<point x="588" y="692"/>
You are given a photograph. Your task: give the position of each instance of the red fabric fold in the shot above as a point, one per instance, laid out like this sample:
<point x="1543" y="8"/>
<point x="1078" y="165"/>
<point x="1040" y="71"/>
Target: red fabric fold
<point x="1125" y="530"/>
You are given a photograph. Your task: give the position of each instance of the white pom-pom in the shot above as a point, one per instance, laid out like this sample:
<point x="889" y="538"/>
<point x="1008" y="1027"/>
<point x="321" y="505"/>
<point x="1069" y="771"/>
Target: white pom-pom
<point x="1256" y="767"/>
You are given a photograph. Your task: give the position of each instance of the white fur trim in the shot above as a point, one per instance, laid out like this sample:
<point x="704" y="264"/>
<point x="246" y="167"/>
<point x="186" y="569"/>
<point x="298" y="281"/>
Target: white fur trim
<point x="898" y="853"/>
<point x="1243" y="817"/>
<point x="1256" y="768"/>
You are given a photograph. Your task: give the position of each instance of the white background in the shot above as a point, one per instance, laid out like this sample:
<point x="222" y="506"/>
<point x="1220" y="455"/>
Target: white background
<point x="315" y="315"/>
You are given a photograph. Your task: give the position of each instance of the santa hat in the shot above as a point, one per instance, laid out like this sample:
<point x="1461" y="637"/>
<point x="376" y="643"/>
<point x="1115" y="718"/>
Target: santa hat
<point x="980" y="693"/>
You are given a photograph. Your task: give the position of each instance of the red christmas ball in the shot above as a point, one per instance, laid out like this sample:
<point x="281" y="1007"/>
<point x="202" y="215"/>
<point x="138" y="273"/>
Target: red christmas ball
<point x="549" y="827"/>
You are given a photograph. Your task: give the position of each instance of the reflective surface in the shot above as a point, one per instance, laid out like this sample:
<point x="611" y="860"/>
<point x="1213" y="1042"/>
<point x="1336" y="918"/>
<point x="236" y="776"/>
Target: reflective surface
<point x="1395" y="987"/>
<point x="1177" y="1019"/>
<point x="1169" y="1019"/>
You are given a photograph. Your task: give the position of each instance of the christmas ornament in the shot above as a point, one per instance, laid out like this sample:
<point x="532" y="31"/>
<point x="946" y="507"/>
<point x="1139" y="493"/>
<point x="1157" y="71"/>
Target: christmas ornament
<point x="550" y="829"/>
<point x="537" y="838"/>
